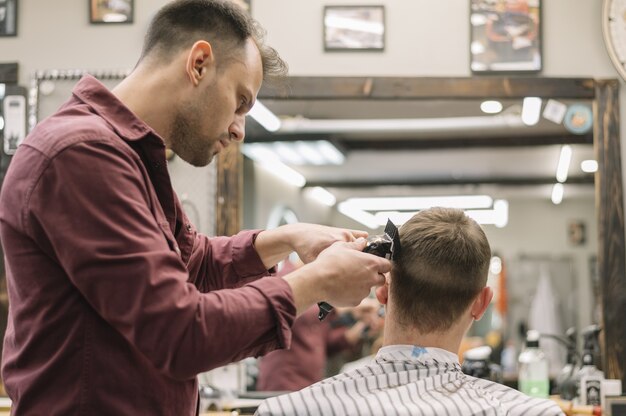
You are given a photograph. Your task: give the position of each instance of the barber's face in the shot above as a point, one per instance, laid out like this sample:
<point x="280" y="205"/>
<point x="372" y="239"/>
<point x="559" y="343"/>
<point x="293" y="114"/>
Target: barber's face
<point x="215" y="116"/>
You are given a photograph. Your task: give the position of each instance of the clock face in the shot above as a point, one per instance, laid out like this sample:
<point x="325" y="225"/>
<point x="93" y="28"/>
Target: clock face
<point x="614" y="28"/>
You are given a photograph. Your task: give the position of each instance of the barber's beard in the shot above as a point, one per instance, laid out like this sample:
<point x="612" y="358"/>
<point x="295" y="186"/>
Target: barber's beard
<point x="188" y="142"/>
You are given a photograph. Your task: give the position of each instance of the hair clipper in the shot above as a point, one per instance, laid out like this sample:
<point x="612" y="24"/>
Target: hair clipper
<point x="386" y="245"/>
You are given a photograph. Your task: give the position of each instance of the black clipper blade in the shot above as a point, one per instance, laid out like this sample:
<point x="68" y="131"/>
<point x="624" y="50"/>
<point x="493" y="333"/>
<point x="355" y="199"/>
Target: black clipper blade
<point x="392" y="231"/>
<point x="386" y="245"/>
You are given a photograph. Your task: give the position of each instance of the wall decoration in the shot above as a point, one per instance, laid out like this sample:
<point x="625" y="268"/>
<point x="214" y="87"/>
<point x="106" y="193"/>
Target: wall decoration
<point x="8" y="17"/>
<point x="505" y="36"/>
<point x="354" y="28"/>
<point x="554" y="111"/>
<point x="14" y="110"/>
<point x="111" y="11"/>
<point x="578" y="119"/>
<point x="576" y="232"/>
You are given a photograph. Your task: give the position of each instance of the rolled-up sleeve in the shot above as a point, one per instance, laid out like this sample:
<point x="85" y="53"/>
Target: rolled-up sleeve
<point x="103" y="232"/>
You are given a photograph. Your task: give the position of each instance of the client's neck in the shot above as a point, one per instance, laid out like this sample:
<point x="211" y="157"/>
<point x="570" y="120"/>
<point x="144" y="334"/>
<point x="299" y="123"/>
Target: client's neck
<point x="398" y="334"/>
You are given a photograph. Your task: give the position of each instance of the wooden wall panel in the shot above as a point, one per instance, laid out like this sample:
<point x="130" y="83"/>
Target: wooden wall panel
<point x="229" y="198"/>
<point x="611" y="246"/>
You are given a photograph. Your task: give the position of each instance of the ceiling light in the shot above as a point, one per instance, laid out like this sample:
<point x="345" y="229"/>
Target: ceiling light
<point x="309" y="153"/>
<point x="477" y="48"/>
<point x="287" y="153"/>
<point x="264" y="117"/>
<point x="418" y="203"/>
<point x="491" y="107"/>
<point x="270" y="161"/>
<point x="501" y="208"/>
<point x="318" y="152"/>
<point x="557" y="193"/>
<point x="285" y="173"/>
<point x="498" y="216"/>
<point x="355" y="208"/>
<point x="478" y="19"/>
<point x="531" y="110"/>
<point x="322" y="196"/>
<point x="589" y="166"/>
<point x="495" y="265"/>
<point x="260" y="153"/>
<point x="363" y="217"/>
<point x="305" y="125"/>
<point x="330" y="152"/>
<point x="564" y="160"/>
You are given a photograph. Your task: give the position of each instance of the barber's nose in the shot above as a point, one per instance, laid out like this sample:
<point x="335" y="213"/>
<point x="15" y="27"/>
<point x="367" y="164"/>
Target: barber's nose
<point x="237" y="130"/>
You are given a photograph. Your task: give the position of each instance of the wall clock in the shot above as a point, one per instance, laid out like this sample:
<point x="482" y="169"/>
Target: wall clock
<point x="614" y="31"/>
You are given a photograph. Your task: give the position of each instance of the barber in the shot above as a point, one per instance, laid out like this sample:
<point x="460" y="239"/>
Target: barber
<point x="116" y="302"/>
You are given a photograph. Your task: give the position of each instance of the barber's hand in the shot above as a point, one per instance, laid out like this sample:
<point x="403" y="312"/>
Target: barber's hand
<point x="308" y="240"/>
<point x="341" y="275"/>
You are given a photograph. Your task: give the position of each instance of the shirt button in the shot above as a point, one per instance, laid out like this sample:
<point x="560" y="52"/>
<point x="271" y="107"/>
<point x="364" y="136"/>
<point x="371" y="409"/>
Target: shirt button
<point x="188" y="227"/>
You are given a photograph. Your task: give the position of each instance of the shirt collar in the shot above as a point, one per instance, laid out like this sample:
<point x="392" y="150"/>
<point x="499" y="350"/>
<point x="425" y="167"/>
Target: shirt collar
<point x="110" y="108"/>
<point x="417" y="353"/>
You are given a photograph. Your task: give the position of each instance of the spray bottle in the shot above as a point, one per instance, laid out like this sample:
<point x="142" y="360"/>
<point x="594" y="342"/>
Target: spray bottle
<point x="566" y="380"/>
<point x="589" y="378"/>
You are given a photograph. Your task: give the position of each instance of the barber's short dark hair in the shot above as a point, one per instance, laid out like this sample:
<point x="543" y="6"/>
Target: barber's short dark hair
<point x="442" y="266"/>
<point x="222" y="23"/>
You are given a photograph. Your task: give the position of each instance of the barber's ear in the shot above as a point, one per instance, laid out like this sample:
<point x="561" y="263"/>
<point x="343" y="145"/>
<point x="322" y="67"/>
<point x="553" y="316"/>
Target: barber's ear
<point x="481" y="303"/>
<point x="199" y="60"/>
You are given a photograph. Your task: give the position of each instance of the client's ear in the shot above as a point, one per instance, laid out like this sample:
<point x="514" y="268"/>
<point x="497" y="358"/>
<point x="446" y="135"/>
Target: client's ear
<point x="382" y="293"/>
<point x="481" y="302"/>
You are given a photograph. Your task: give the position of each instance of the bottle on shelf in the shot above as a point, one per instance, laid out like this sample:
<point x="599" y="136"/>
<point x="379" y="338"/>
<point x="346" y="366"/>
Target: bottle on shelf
<point x="533" y="375"/>
<point x="589" y="377"/>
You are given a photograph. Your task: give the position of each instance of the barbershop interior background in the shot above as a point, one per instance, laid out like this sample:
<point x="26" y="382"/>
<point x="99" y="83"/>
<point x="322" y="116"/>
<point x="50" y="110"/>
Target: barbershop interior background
<point x="541" y="242"/>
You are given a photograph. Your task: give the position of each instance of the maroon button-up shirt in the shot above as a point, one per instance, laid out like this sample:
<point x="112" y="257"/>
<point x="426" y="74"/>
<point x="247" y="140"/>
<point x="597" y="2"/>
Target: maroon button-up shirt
<point x="116" y="302"/>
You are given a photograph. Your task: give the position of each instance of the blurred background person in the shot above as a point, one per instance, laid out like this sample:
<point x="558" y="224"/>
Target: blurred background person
<point x="314" y="341"/>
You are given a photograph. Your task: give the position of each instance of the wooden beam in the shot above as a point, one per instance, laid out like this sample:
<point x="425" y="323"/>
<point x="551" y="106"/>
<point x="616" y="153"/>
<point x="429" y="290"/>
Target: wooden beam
<point x="464" y="143"/>
<point x="428" y="88"/>
<point x="408" y="143"/>
<point x="611" y="244"/>
<point x="422" y="182"/>
<point x="229" y="193"/>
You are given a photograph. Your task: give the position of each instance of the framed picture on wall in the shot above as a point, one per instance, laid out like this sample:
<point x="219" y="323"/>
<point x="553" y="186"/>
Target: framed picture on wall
<point x="8" y="17"/>
<point x="111" y="11"/>
<point x="354" y="28"/>
<point x="505" y="36"/>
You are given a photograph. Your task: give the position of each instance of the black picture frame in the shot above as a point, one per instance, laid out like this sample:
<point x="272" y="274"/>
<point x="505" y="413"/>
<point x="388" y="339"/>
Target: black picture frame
<point x="111" y="11"/>
<point x="354" y="28"/>
<point x="505" y="37"/>
<point x="8" y="18"/>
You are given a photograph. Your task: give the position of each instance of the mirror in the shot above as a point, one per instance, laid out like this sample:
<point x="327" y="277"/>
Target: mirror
<point x="416" y="137"/>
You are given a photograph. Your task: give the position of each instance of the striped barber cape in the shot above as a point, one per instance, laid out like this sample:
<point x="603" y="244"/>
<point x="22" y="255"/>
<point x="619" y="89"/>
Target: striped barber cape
<point x="408" y="380"/>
